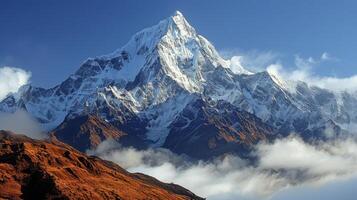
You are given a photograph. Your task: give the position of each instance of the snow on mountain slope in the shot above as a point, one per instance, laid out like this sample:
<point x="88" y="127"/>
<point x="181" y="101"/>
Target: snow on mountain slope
<point x="161" y="62"/>
<point x="207" y="128"/>
<point x="146" y="84"/>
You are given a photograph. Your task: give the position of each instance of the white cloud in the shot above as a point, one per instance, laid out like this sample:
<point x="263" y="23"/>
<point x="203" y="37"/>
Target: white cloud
<point x="326" y="56"/>
<point x="348" y="84"/>
<point x="22" y="123"/>
<point x="303" y="71"/>
<point x="11" y="79"/>
<point x="254" y="61"/>
<point x="315" y="161"/>
<point x="285" y="165"/>
<point x="236" y="64"/>
<point x="302" y="63"/>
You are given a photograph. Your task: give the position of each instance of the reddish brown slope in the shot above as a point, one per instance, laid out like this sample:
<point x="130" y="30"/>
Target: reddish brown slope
<point x="33" y="169"/>
<point x="87" y="131"/>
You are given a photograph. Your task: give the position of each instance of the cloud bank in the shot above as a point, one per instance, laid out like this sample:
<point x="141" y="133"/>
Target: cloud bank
<point x="21" y="122"/>
<point x="11" y="79"/>
<point x="286" y="165"/>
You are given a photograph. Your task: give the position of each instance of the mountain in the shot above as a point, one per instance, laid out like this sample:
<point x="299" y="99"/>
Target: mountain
<point x="34" y="169"/>
<point x="87" y="132"/>
<point x="205" y="129"/>
<point x="146" y="88"/>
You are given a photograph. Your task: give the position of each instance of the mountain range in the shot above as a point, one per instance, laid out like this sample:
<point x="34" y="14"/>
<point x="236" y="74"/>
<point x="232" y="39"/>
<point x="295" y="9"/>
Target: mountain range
<point x="169" y="87"/>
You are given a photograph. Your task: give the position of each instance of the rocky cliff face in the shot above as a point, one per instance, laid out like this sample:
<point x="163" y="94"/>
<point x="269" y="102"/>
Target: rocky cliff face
<point x="33" y="169"/>
<point x="207" y="129"/>
<point x="145" y="88"/>
<point x="87" y="132"/>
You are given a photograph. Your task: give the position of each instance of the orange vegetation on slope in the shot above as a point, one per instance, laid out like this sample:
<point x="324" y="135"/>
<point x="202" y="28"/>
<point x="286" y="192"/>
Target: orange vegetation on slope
<point x="34" y="169"/>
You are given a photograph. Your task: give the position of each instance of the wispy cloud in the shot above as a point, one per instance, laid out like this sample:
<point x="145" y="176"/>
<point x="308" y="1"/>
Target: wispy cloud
<point x="327" y="57"/>
<point x="303" y="71"/>
<point x="254" y="61"/>
<point x="11" y="79"/>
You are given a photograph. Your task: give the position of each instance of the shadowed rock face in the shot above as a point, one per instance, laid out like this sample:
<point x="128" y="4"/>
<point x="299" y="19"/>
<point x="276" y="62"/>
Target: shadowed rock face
<point x="204" y="130"/>
<point x="88" y="131"/>
<point x="33" y="169"/>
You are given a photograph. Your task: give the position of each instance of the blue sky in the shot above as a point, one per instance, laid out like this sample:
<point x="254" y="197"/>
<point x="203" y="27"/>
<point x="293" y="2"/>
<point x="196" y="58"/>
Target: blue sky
<point x="51" y="38"/>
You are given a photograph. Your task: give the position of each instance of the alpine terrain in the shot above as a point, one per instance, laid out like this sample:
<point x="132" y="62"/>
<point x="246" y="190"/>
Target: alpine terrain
<point x="169" y="87"/>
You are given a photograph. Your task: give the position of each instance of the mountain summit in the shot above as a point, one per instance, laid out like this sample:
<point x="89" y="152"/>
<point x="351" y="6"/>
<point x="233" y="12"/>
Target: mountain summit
<point x="168" y="86"/>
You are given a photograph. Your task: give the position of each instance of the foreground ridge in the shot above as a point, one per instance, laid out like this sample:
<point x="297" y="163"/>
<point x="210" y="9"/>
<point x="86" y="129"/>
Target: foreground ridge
<point x="34" y="169"/>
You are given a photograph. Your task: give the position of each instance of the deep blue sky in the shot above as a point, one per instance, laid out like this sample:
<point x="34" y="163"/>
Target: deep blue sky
<point x="51" y="38"/>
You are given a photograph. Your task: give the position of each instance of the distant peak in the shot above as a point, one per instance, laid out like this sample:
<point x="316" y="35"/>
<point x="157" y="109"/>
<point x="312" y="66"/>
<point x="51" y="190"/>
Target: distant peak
<point x="177" y="18"/>
<point x="175" y="25"/>
<point x="179" y="22"/>
<point x="177" y="13"/>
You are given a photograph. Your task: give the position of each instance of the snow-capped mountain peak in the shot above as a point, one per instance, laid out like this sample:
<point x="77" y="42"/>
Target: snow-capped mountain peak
<point x="177" y="22"/>
<point x="147" y="83"/>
